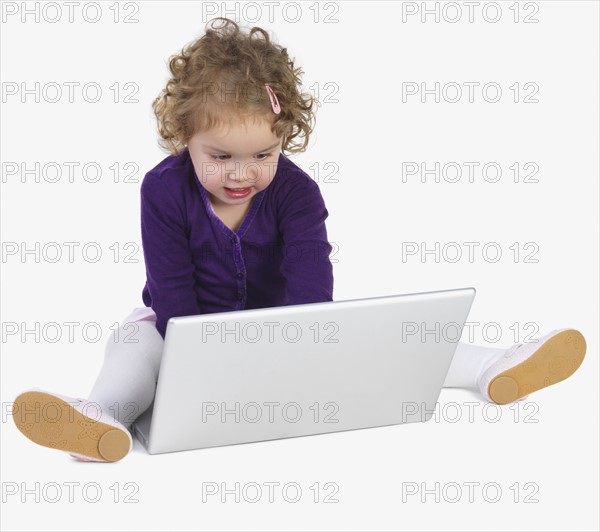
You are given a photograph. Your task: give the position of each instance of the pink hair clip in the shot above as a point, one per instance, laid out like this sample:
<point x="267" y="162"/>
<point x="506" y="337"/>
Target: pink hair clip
<point x="274" y="100"/>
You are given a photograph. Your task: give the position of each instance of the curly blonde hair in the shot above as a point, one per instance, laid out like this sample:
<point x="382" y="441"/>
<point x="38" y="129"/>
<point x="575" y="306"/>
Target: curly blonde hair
<point x="218" y="81"/>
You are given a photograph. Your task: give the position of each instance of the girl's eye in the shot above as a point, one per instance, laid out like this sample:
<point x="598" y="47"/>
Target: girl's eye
<point x="263" y="155"/>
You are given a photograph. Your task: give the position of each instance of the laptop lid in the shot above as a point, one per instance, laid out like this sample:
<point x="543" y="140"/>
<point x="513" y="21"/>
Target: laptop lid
<point x="297" y="370"/>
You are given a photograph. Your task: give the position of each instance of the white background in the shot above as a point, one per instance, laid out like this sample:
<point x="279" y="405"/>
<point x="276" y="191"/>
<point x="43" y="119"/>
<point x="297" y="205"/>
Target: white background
<point x="369" y="132"/>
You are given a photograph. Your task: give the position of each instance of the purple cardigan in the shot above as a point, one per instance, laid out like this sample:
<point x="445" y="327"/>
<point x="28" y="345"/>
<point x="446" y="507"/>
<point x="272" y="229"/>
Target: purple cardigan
<point x="195" y="264"/>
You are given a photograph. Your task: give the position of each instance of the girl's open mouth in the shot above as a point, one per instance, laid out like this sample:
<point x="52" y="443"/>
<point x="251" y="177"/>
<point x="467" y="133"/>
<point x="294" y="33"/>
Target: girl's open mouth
<point x="238" y="192"/>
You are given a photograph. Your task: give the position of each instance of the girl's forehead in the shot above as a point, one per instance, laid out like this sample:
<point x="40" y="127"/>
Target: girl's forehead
<point x="240" y="131"/>
<point x="239" y="127"/>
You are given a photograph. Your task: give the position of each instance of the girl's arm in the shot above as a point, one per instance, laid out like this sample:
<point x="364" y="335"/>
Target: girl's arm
<point x="306" y="265"/>
<point x="169" y="265"/>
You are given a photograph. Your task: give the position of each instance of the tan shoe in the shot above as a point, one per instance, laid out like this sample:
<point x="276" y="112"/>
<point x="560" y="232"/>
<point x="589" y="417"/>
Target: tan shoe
<point x="528" y="367"/>
<point x="62" y="423"/>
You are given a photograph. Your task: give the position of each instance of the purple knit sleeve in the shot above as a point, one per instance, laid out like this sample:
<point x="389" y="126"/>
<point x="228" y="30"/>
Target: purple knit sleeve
<point x="169" y="264"/>
<point x="306" y="265"/>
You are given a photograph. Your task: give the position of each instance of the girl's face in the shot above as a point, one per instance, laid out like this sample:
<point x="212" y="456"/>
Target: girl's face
<point x="244" y="157"/>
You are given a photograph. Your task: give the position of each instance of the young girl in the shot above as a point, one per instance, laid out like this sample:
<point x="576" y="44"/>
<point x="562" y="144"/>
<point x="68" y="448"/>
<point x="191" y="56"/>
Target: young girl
<point x="230" y="223"/>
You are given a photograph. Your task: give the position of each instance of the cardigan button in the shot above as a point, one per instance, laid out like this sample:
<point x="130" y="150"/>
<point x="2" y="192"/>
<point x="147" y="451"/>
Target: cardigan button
<point x="239" y="275"/>
<point x="240" y="296"/>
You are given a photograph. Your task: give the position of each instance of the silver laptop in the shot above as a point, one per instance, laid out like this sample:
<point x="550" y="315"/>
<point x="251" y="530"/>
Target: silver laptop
<point x="281" y="372"/>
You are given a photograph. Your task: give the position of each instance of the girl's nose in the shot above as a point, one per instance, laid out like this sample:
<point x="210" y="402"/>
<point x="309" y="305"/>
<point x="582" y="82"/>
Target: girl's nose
<point x="243" y="173"/>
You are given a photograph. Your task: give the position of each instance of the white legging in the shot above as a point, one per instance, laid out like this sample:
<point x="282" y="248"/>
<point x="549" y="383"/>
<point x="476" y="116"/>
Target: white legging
<point x="127" y="381"/>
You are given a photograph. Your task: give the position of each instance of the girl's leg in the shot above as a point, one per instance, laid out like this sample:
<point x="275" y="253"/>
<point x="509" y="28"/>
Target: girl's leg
<point x="126" y="384"/>
<point x="123" y="390"/>
<point x="468" y="364"/>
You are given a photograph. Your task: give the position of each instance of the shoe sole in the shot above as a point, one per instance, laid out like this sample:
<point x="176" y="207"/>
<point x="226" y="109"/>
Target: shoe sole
<point x="554" y="361"/>
<point x="49" y="421"/>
